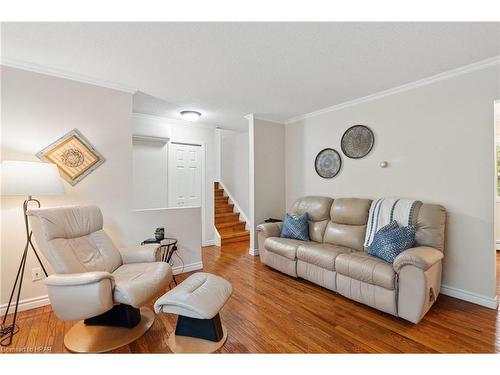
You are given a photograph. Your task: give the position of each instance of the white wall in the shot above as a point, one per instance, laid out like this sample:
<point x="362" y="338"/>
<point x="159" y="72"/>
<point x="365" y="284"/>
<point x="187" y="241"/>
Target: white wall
<point x="497" y="205"/>
<point x="439" y="141"/>
<point x="234" y="167"/>
<point x="149" y="171"/>
<point x="177" y="130"/>
<point x="38" y="109"/>
<point x="497" y="225"/>
<point x="267" y="173"/>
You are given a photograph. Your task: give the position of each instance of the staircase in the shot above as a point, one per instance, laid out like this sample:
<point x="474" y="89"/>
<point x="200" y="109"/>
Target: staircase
<point x="227" y="222"/>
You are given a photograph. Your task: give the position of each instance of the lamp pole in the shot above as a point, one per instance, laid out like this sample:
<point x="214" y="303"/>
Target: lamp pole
<point x="11" y="329"/>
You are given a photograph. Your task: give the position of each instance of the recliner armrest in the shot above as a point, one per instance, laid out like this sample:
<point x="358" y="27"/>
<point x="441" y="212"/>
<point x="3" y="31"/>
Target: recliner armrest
<point x="76" y="296"/>
<point x="270" y="229"/>
<point x="140" y="254"/>
<point x="422" y="257"/>
<point x="74" y="279"/>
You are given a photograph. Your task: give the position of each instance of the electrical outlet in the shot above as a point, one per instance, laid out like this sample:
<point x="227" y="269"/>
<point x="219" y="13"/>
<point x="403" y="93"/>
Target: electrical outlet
<point x="36" y="274"/>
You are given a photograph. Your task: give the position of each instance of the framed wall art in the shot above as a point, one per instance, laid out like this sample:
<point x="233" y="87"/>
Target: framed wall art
<point x="74" y="155"/>
<point x="357" y="141"/>
<point x="328" y="163"/>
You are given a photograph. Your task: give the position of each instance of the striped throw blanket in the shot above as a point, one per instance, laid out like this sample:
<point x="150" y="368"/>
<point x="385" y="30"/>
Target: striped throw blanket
<point x="385" y="210"/>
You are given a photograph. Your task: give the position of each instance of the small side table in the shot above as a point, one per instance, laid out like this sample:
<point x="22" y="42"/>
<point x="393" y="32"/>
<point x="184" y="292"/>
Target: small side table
<point x="167" y="248"/>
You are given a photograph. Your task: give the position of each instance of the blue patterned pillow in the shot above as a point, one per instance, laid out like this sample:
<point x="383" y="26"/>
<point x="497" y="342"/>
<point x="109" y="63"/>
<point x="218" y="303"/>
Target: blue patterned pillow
<point x="296" y="228"/>
<point x="391" y="240"/>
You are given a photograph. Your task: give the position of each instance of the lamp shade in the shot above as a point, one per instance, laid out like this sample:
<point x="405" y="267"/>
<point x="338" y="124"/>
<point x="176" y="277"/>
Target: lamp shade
<point x="30" y="178"/>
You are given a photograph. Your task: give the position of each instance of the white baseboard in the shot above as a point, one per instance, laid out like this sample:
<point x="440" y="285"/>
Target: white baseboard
<point x="217" y="237"/>
<point x="478" y="299"/>
<point x="209" y="243"/>
<point x="253" y="252"/>
<point x="187" y="268"/>
<point x="27" y="304"/>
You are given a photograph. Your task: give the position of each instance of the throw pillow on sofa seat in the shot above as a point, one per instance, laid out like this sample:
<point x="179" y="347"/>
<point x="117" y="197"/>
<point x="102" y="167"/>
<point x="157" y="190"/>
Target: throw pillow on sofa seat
<point x="391" y="240"/>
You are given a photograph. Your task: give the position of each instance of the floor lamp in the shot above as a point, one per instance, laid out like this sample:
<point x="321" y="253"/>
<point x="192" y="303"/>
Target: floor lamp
<point x="26" y="179"/>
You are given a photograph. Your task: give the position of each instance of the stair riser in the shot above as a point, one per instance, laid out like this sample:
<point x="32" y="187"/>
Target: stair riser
<point x="222" y="210"/>
<point x="235" y="239"/>
<point x="234" y="226"/>
<point x="223" y="204"/>
<point x="226" y="233"/>
<point x="227" y="219"/>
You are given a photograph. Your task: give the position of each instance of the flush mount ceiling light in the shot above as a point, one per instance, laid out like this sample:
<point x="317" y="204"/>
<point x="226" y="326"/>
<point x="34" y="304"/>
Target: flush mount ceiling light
<point x="190" y="115"/>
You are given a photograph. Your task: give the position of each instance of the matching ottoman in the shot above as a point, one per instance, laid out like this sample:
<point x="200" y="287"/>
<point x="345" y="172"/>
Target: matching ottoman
<point x="197" y="301"/>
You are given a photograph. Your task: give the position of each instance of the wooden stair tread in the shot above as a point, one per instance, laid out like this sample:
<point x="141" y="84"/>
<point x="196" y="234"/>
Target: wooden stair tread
<point x="223" y="205"/>
<point x="234" y="234"/>
<point x="226" y="214"/>
<point x="229" y="225"/>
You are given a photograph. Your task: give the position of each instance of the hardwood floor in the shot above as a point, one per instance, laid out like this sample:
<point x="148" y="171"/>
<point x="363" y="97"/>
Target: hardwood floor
<point x="273" y="313"/>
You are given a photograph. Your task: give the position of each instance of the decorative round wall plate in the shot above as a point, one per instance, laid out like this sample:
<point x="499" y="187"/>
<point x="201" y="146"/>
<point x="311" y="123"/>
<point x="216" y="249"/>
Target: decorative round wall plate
<point x="328" y="163"/>
<point x="357" y="141"/>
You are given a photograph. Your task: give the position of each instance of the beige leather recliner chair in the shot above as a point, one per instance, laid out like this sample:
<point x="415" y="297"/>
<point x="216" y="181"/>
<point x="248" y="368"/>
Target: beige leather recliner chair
<point x="336" y="259"/>
<point x="93" y="279"/>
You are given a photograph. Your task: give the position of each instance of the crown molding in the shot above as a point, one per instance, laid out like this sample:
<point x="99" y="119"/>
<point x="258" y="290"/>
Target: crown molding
<point x="253" y="116"/>
<point x="172" y="121"/>
<point x="24" y="65"/>
<point x="396" y="90"/>
<point x="268" y="120"/>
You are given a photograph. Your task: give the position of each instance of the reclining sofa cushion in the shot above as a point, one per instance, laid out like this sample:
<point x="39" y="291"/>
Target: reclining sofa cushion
<point x="286" y="247"/>
<point x="321" y="254"/>
<point x="363" y="267"/>
<point x="318" y="211"/>
<point x="347" y="226"/>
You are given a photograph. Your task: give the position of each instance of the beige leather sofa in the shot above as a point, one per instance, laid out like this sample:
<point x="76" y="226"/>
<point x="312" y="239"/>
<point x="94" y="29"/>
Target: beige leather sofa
<point x="335" y="257"/>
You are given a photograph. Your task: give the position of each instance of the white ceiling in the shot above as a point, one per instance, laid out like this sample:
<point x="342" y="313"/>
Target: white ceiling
<point x="227" y="70"/>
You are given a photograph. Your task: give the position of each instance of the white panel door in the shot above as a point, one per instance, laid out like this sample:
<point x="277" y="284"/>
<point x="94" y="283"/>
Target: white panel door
<point x="184" y="175"/>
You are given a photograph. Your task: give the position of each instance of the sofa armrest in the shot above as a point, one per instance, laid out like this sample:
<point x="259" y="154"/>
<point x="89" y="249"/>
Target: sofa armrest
<point x="140" y="254"/>
<point x="270" y="229"/>
<point x="77" y="296"/>
<point x="423" y="257"/>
